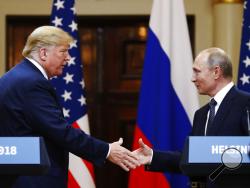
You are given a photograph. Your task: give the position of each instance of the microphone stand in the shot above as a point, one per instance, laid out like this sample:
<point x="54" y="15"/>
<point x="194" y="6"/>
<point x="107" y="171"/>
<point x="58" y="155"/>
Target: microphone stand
<point x="248" y="122"/>
<point x="248" y="126"/>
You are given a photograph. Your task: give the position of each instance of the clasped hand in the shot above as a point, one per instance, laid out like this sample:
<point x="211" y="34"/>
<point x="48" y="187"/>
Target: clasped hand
<point x="129" y="160"/>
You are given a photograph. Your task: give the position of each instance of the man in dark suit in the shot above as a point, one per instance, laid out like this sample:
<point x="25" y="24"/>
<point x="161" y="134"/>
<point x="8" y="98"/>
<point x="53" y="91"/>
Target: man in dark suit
<point x="212" y="75"/>
<point x="29" y="107"/>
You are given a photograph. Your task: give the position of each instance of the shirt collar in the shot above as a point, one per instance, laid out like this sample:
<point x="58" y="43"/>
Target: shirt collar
<point x="222" y="93"/>
<point x="38" y="66"/>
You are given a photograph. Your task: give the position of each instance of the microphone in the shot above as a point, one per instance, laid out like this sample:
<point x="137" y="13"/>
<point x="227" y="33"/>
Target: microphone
<point x="248" y="127"/>
<point x="248" y="121"/>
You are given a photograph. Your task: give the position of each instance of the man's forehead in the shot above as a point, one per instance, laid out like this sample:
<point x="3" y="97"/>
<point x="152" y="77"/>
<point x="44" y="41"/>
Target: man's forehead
<point x="198" y="66"/>
<point x="201" y="60"/>
<point x="62" y="46"/>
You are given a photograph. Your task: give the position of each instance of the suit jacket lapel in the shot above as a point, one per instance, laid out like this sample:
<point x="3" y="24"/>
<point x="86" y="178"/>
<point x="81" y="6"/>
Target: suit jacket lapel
<point x="223" y="110"/>
<point x="204" y="119"/>
<point x="200" y="121"/>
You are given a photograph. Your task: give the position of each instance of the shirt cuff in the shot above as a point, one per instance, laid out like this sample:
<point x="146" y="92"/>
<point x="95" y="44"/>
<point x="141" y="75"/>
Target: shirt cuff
<point x="152" y="153"/>
<point x="108" y="152"/>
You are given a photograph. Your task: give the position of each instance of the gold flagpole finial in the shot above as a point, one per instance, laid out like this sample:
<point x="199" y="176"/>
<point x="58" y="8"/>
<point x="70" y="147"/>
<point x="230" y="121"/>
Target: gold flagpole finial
<point x="227" y="1"/>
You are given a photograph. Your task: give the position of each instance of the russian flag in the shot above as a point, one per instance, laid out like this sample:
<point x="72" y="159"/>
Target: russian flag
<point x="168" y="98"/>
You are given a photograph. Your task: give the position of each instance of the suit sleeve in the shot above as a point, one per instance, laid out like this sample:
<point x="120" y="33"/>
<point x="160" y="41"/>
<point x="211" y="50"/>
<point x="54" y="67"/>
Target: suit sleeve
<point x="165" y="161"/>
<point x="44" y="115"/>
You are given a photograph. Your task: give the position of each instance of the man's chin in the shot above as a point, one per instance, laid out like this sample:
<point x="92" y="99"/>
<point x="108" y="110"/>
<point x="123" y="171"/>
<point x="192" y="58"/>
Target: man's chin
<point x="59" y="73"/>
<point x="201" y="92"/>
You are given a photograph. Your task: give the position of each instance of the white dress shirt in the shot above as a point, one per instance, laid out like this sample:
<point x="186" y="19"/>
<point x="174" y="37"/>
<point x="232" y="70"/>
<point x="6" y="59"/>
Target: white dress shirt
<point x="219" y="98"/>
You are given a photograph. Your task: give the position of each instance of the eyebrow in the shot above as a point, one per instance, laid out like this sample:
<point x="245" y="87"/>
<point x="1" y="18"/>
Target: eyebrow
<point x="196" y="69"/>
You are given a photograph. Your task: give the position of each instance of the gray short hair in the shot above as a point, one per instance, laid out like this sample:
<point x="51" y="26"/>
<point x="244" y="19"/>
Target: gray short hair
<point x="218" y="57"/>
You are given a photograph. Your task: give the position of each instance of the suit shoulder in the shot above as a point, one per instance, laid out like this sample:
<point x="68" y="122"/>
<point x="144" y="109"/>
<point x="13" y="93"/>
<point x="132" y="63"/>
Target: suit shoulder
<point x="242" y="97"/>
<point x="23" y="78"/>
<point x="23" y="73"/>
<point x="203" y="108"/>
<point x="243" y="93"/>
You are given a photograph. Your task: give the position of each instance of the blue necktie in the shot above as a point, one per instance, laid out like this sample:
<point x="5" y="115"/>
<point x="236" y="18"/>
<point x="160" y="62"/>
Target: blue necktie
<point x="212" y="105"/>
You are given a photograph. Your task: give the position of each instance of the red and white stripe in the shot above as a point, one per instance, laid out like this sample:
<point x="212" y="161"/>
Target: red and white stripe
<point x="81" y="172"/>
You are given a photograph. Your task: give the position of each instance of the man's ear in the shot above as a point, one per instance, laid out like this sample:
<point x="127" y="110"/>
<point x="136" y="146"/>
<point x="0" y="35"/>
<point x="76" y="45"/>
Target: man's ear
<point x="42" y="54"/>
<point x="217" y="72"/>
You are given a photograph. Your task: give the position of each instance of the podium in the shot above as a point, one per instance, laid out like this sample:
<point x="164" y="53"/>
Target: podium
<point x="222" y="161"/>
<point x="23" y="156"/>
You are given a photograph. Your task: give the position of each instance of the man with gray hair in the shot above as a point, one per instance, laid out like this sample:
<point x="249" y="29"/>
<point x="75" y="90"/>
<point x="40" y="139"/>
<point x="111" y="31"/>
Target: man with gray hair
<point x="224" y="115"/>
<point x="29" y="107"/>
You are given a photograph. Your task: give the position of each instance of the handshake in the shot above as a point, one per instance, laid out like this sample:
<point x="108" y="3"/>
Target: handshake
<point x="129" y="160"/>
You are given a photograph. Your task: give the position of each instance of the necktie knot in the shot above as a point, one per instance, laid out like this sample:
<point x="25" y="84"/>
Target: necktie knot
<point x="212" y="103"/>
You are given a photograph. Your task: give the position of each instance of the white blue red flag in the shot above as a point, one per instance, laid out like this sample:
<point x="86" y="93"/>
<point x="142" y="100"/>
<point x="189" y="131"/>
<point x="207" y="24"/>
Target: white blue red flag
<point x="168" y="98"/>
<point x="70" y="90"/>
<point x="244" y="65"/>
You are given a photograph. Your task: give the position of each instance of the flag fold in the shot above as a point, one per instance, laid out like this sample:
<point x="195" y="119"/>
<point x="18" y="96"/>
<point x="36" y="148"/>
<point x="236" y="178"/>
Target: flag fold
<point x="168" y="99"/>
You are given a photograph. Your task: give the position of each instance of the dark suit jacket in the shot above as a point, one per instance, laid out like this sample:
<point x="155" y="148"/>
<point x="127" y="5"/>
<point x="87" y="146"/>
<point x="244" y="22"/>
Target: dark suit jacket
<point x="230" y="120"/>
<point x="29" y="107"/>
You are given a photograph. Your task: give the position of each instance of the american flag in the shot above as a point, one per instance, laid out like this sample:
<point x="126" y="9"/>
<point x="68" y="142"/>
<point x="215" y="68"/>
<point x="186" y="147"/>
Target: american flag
<point x="244" y="66"/>
<point x="70" y="89"/>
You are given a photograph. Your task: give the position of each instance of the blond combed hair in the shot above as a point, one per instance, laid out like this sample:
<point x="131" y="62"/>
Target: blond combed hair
<point x="45" y="36"/>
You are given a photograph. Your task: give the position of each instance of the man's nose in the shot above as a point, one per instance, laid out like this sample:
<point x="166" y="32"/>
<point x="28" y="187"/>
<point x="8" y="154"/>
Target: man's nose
<point x="193" y="79"/>
<point x="68" y="56"/>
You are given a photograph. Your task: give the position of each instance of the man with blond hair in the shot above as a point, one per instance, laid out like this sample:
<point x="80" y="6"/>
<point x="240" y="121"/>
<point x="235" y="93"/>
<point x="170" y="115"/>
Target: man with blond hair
<point x="29" y="107"/>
